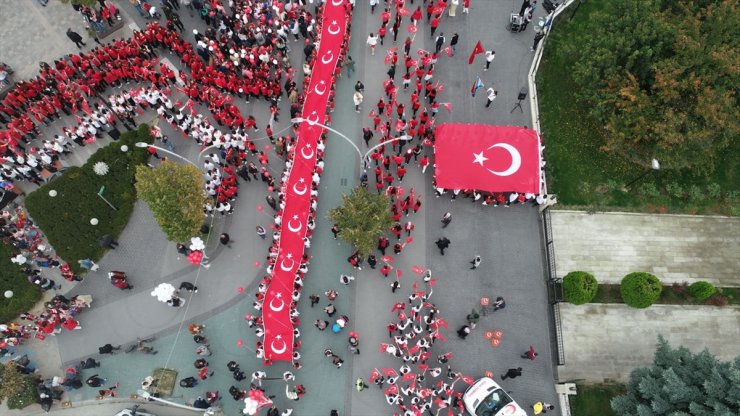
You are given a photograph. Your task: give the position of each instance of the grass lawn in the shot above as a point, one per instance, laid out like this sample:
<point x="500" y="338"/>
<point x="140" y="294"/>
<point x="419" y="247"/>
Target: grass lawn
<point x="583" y="176"/>
<point x="25" y="294"/>
<point x="65" y="218"/>
<point x="593" y="399"/>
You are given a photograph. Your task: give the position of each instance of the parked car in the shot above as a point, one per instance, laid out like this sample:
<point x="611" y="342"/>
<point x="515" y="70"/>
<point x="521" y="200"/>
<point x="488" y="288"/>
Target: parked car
<point x="486" y="398"/>
<point x="134" y="411"/>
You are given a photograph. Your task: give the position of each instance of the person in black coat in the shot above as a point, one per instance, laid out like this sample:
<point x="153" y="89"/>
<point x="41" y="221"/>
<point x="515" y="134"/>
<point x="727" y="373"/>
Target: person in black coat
<point x="75" y="37"/>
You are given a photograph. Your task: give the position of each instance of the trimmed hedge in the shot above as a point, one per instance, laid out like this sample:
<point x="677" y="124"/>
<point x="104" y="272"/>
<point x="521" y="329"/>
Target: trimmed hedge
<point x="65" y="219"/>
<point x="702" y="290"/>
<point x="579" y="287"/>
<point x="640" y="290"/>
<point x="25" y="294"/>
<point x="27" y="396"/>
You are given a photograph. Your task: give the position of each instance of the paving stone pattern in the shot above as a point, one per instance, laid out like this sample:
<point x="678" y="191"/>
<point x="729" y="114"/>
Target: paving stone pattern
<point x="675" y="248"/>
<point x="608" y="341"/>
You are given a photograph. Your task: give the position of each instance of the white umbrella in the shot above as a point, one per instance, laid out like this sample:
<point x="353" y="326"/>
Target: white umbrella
<point x="163" y="292"/>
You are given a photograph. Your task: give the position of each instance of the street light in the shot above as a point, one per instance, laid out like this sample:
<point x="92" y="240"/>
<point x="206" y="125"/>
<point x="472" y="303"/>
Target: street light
<point x="654" y="165"/>
<point x="145" y="145"/>
<point x="148" y="396"/>
<point x="362" y="157"/>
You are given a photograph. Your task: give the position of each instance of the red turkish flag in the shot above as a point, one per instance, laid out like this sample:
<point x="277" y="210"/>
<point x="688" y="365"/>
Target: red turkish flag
<point x="487" y="158"/>
<point x="409" y="377"/>
<point x="374" y="375"/>
<point x="390" y="372"/>
<point x="392" y="390"/>
<point x="477" y="50"/>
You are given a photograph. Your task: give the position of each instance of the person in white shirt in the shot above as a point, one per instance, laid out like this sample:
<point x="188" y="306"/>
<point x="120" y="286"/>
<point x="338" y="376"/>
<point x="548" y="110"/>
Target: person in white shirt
<point x="491" y="96"/>
<point x="490" y="56"/>
<point x="372" y="40"/>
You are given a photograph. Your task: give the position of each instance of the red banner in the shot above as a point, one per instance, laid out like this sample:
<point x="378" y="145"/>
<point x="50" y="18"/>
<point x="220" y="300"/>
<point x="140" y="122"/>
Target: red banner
<point x="278" y="339"/>
<point x="487" y="158"/>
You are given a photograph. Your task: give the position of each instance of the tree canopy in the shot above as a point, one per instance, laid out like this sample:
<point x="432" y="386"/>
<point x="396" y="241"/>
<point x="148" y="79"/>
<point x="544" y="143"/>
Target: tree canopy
<point x="175" y="195"/>
<point x="362" y="218"/>
<point x="662" y="76"/>
<point x="681" y="383"/>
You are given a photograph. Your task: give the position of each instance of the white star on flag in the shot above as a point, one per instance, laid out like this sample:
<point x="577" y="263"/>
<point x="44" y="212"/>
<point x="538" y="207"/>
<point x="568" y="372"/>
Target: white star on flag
<point x="479" y="158"/>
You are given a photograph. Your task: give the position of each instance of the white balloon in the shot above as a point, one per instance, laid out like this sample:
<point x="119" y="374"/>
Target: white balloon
<point x="94" y="221"/>
<point x="8" y="294"/>
<point x="52" y="193"/>
<point x="124" y="148"/>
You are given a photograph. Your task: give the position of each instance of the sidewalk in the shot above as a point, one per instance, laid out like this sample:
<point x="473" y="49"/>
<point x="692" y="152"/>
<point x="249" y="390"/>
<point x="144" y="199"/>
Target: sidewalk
<point x="608" y="341"/>
<point x="675" y="248"/>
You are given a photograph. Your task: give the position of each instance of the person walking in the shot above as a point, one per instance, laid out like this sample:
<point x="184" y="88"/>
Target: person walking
<point x="475" y="263"/>
<point x="95" y="381"/>
<point x="530" y="354"/>
<point x="439" y="42"/>
<point x="372" y="41"/>
<point x="442" y="243"/>
<point x="491" y="96"/>
<point x="539" y="34"/>
<point x="225" y="239"/>
<point x="490" y="56"/>
<point x="357" y="99"/>
<point x="261" y="232"/>
<point x="75" y="37"/>
<point x="446" y="219"/>
<point x="464" y="331"/>
<point x="453" y="7"/>
<point x="108" y="349"/>
<point x="453" y="43"/>
<point x="349" y="63"/>
<point x="314" y="299"/>
<point x="106" y="241"/>
<point x="512" y="373"/>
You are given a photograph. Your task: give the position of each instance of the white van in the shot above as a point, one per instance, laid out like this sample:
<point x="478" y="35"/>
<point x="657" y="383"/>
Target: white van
<point x="486" y="398"/>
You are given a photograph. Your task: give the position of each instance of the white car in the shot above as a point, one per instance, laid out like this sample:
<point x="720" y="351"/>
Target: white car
<point x="486" y="398"/>
<point x="134" y="411"/>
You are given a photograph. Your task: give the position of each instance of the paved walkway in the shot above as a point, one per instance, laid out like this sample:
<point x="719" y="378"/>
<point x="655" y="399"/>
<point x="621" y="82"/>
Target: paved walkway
<point x="30" y="33"/>
<point x="513" y="262"/>
<point x="608" y="341"/>
<point x="675" y="248"/>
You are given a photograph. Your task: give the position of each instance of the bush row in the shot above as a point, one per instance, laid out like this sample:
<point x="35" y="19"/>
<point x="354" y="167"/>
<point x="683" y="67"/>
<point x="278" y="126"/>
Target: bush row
<point x="638" y="290"/>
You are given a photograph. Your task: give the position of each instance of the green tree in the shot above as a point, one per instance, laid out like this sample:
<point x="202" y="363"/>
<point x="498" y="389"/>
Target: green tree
<point x="661" y="76"/>
<point x="11" y="381"/>
<point x="680" y="383"/>
<point x="362" y="218"/>
<point x="175" y="195"/>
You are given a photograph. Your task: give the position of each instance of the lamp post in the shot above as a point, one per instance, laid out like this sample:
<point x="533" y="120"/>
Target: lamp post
<point x="362" y="157"/>
<point x="654" y="165"/>
<point x="145" y="145"/>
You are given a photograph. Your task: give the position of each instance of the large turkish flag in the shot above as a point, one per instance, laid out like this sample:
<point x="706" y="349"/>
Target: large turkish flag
<point x="487" y="158"/>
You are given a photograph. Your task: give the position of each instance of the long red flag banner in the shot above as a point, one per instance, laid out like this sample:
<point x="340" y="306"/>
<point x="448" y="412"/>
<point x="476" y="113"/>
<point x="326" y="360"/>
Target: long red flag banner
<point x="278" y="337"/>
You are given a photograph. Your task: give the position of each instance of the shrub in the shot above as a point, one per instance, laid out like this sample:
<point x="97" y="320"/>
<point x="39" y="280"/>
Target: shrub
<point x="649" y="189"/>
<point x="640" y="290"/>
<point x="718" y="300"/>
<point x="579" y="287"/>
<point x="25" y="294"/>
<point x="714" y="190"/>
<point x="65" y="219"/>
<point x="675" y="189"/>
<point x="695" y="193"/>
<point x="19" y="391"/>
<point x="702" y="290"/>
